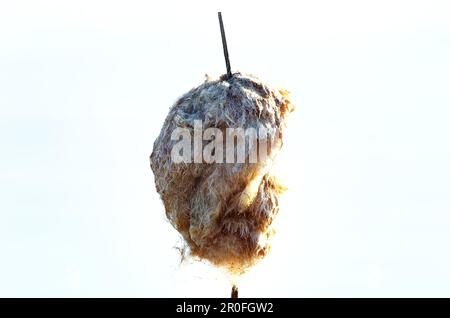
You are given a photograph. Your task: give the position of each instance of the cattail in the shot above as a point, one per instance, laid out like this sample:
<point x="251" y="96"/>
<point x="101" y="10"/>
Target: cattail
<point x="224" y="207"/>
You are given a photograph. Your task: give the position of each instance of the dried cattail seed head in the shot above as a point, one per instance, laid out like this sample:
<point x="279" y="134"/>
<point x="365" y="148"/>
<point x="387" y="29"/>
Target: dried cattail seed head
<point x="223" y="209"/>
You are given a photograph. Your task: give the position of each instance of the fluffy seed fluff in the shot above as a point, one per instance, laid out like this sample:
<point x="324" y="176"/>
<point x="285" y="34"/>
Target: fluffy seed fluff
<point x="224" y="211"/>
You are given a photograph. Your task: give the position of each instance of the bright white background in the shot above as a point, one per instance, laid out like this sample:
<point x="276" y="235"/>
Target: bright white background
<point x="86" y="85"/>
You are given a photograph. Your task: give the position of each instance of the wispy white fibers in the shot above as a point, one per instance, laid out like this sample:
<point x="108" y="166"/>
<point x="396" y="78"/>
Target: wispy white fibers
<point x="223" y="208"/>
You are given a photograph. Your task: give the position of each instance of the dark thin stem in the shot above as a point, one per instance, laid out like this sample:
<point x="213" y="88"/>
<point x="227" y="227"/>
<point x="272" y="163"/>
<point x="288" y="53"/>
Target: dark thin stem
<point x="224" y="44"/>
<point x="234" y="292"/>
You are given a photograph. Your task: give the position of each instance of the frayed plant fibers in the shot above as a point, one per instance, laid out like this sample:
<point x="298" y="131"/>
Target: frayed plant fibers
<point x="224" y="211"/>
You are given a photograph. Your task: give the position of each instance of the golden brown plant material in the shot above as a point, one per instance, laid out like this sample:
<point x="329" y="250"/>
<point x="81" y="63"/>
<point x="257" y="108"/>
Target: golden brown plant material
<point x="224" y="211"/>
